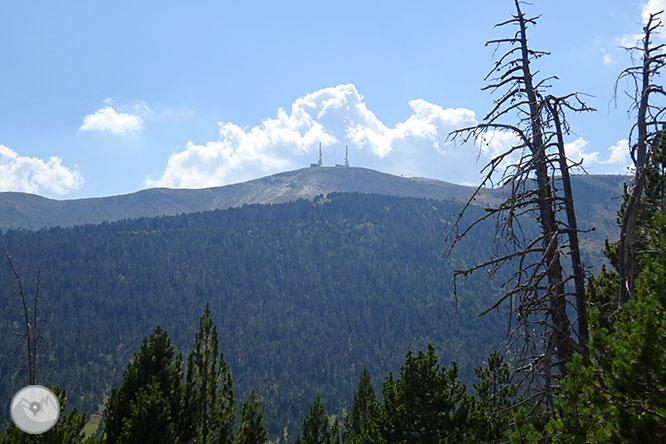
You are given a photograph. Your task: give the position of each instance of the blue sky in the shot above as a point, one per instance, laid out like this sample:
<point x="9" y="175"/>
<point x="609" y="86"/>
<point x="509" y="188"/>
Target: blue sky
<point x="104" y="98"/>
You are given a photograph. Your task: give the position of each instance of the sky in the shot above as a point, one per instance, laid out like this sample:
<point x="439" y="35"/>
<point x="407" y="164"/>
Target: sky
<point x="107" y="98"/>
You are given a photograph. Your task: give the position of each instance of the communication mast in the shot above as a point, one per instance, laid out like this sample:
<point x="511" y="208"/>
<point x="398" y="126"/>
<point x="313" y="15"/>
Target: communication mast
<point x="318" y="164"/>
<point x="346" y="158"/>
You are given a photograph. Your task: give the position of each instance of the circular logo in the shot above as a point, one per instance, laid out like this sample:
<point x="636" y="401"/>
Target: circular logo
<point x="34" y="409"/>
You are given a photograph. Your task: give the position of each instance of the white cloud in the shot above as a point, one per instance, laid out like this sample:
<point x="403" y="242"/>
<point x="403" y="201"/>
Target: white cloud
<point x="630" y="40"/>
<point x="652" y="7"/>
<point x="634" y="39"/>
<point x="617" y="162"/>
<point x="33" y="175"/>
<point x="619" y="156"/>
<point x="576" y="152"/>
<point x="107" y="119"/>
<point x="607" y="57"/>
<point x="335" y="116"/>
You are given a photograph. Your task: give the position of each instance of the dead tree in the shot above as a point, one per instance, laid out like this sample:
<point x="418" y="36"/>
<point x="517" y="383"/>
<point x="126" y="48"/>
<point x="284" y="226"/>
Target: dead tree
<point x="555" y="107"/>
<point x="527" y="172"/>
<point x="649" y="122"/>
<point x="30" y="338"/>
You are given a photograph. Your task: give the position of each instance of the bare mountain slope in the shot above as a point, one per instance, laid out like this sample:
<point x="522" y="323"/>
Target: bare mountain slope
<point x="27" y="211"/>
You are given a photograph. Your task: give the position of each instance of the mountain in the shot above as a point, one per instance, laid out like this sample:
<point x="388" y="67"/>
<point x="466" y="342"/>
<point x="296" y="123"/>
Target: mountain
<point x="32" y="212"/>
<point x="28" y="211"/>
<point x="597" y="198"/>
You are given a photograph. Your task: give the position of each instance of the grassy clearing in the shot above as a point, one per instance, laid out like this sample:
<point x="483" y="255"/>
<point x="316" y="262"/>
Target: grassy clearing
<point x="93" y="422"/>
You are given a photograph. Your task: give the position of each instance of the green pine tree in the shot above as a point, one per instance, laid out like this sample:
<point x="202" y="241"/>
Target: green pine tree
<point x="316" y="429"/>
<point x="426" y="404"/>
<point x="150" y="420"/>
<point x="362" y="421"/>
<point x="491" y="412"/>
<point x="523" y="431"/>
<point x="155" y="365"/>
<point x="251" y="429"/>
<point x="209" y="387"/>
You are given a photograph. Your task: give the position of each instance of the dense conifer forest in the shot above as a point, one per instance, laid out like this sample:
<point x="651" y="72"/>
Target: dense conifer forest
<point x="304" y="295"/>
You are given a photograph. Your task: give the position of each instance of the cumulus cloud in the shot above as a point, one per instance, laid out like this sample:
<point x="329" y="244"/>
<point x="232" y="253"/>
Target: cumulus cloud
<point x="33" y="175"/>
<point x="632" y="40"/>
<point x="616" y="163"/>
<point x="108" y="119"/>
<point x="335" y="117"/>
<point x="338" y="116"/>
<point x="652" y="7"/>
<point x="619" y="156"/>
<point x="576" y="152"/>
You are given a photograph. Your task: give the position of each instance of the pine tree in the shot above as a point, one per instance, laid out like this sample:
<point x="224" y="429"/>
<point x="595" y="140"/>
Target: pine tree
<point x="155" y="365"/>
<point x="426" y="404"/>
<point x="209" y="386"/>
<point x="361" y="423"/>
<point x="316" y="428"/>
<point x="523" y="431"/>
<point x="150" y="420"/>
<point x="251" y="429"/>
<point x="491" y="410"/>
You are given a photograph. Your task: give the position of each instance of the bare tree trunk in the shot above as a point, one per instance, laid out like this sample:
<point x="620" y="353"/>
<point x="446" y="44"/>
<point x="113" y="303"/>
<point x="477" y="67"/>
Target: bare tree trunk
<point x="576" y="263"/>
<point x="627" y="264"/>
<point x="546" y="212"/>
<point x="30" y="328"/>
<point x="648" y="124"/>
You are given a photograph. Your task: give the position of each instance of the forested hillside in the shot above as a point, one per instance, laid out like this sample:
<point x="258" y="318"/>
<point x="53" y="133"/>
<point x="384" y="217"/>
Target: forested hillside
<point x="304" y="294"/>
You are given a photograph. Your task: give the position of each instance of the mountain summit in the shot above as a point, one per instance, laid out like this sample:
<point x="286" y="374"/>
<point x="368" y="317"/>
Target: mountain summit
<point x="31" y="212"/>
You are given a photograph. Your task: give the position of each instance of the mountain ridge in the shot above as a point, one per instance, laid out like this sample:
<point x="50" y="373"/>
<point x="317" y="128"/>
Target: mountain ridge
<point x="32" y="212"/>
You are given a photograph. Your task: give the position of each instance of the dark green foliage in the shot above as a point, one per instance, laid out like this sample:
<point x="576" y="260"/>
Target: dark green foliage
<point x="581" y="408"/>
<point x="155" y="373"/>
<point x="362" y="421"/>
<point x="523" y="431"/>
<point x="251" y="429"/>
<point x="150" y="420"/>
<point x="209" y="387"/>
<point x="316" y="427"/>
<point x="426" y="404"/>
<point x="621" y="397"/>
<point x="495" y="400"/>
